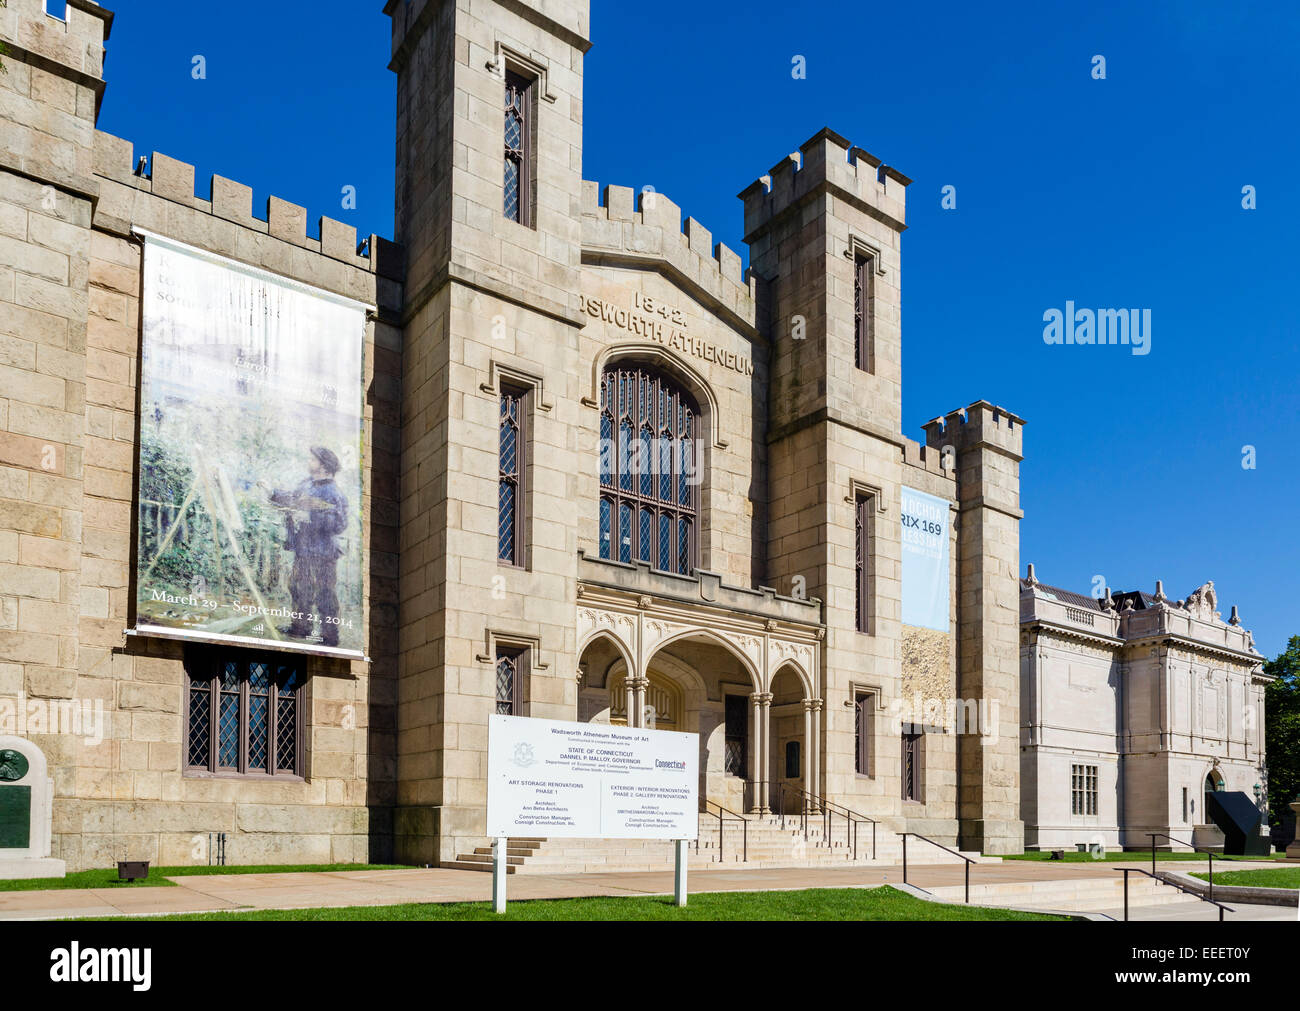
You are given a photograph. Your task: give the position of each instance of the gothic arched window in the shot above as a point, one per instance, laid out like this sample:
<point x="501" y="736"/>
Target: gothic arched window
<point x="649" y="471"/>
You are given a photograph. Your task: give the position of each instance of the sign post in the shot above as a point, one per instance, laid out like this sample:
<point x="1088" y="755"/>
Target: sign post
<point x="499" y="872"/>
<point x="561" y="780"/>
<point x="679" y="879"/>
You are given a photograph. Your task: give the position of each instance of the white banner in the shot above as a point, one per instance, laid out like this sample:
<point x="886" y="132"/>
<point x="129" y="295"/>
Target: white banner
<point x="555" y="779"/>
<point x="249" y="508"/>
<point x="925" y="560"/>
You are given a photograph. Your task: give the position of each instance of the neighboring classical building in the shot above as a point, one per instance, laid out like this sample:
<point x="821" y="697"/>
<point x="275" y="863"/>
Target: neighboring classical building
<point x="1132" y="708"/>
<point x="789" y="579"/>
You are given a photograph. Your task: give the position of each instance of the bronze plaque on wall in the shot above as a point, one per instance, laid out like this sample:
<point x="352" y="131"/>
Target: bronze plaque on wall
<point x="15" y="817"/>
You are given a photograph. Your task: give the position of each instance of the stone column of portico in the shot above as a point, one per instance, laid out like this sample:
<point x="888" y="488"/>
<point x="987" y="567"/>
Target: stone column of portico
<point x="755" y="752"/>
<point x="639" y="685"/>
<point x="809" y="755"/>
<point x="815" y="753"/>
<point x="765" y="749"/>
<point x="629" y="699"/>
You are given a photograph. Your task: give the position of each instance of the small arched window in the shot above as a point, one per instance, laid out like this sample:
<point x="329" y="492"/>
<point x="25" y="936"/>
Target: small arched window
<point x="649" y="469"/>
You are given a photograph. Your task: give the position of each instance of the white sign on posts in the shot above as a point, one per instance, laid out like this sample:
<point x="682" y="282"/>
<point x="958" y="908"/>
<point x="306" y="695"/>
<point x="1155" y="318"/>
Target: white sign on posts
<point x="555" y="779"/>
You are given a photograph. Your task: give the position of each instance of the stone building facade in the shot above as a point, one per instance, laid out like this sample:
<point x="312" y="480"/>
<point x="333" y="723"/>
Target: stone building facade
<point x="1133" y="707"/>
<point x="752" y="592"/>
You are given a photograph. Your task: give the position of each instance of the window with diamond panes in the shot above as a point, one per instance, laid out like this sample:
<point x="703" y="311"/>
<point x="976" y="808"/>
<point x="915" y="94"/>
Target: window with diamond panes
<point x="512" y="455"/>
<point x="863" y="309"/>
<point x="512" y="669"/>
<point x="244" y="715"/>
<point x="518" y="149"/>
<point x="862" y="562"/>
<point x="649" y="477"/>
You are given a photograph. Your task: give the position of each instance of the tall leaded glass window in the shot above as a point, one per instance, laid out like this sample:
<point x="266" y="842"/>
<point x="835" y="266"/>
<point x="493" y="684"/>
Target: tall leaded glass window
<point x="244" y="714"/>
<point x="518" y="149"/>
<point x="511" y="672"/>
<point x="862" y="562"/>
<point x="649" y="471"/>
<point x="863" y="311"/>
<point x="512" y="471"/>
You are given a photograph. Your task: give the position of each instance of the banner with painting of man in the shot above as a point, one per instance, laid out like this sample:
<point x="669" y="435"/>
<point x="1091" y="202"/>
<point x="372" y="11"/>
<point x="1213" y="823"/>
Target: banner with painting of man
<point x="250" y="457"/>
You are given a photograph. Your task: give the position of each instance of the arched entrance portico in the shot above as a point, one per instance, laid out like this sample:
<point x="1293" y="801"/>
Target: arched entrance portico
<point x="746" y="683"/>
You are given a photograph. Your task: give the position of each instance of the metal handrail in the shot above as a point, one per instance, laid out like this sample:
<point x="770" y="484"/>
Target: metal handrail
<point x="1195" y="849"/>
<point x="941" y="846"/>
<point x="1171" y="884"/>
<point x="722" y="815"/>
<point x="828" y="807"/>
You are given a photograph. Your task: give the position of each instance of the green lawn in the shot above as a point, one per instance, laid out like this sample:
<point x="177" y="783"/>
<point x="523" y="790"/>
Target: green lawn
<point x="158" y="876"/>
<point x="882" y="903"/>
<point x="1132" y="856"/>
<point x="1271" y="877"/>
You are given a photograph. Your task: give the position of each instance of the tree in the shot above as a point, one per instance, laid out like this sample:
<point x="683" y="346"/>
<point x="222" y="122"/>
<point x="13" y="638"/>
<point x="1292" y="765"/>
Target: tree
<point x="1282" y="729"/>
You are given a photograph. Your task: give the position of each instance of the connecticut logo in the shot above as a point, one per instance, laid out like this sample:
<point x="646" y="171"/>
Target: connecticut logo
<point x="664" y="764"/>
<point x="523" y="756"/>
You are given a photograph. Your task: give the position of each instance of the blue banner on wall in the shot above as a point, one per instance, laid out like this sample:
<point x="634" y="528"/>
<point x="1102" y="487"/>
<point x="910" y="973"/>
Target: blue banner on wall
<point x="925" y="560"/>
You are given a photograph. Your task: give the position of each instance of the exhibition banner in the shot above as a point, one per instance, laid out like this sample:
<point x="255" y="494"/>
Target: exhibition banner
<point x="925" y="560"/>
<point x="555" y="779"/>
<point x="248" y="513"/>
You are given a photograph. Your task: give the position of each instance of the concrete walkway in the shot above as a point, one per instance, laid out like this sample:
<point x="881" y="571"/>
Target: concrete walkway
<point x="301" y="890"/>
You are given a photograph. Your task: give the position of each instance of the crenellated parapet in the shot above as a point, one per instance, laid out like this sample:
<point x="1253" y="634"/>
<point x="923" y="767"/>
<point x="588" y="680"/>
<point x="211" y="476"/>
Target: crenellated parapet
<point x="929" y="459"/>
<point x="981" y="425"/>
<point x="826" y="161"/>
<point x="230" y="201"/>
<point x="649" y="231"/>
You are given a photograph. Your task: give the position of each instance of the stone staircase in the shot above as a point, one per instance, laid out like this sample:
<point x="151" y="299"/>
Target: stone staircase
<point x="1081" y="895"/>
<point x="767" y="845"/>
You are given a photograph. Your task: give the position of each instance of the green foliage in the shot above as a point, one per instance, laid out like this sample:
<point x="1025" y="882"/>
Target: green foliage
<point x="1282" y="728"/>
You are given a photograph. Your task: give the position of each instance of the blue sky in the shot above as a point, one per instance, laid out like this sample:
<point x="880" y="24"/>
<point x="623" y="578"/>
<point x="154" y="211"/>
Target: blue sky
<point x="1116" y="193"/>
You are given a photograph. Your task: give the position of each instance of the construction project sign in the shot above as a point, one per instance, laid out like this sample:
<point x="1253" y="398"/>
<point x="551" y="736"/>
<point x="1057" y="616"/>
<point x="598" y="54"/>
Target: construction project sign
<point x="249" y="498"/>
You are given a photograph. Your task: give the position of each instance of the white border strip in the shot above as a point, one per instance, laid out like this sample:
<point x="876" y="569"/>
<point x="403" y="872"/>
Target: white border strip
<point x="163" y="632"/>
<point x="257" y="272"/>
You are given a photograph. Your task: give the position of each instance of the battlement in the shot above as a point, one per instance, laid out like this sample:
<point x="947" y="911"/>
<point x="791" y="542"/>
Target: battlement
<point x="826" y="160"/>
<point x="231" y="201"/>
<point x="651" y="227"/>
<point x="980" y="425"/>
<point x="927" y="458"/>
<point x="75" y="42"/>
<point x="569" y="20"/>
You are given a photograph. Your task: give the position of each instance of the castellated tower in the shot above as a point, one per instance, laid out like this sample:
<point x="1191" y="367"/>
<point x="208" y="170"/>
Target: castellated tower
<point x="824" y="227"/>
<point x="987" y="442"/>
<point x="492" y="307"/>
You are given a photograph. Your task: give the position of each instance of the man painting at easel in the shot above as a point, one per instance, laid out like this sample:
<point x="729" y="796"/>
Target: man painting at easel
<point x="316" y="513"/>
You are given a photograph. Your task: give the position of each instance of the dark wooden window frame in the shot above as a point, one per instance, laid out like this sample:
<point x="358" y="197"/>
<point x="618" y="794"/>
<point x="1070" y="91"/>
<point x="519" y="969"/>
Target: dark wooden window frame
<point x="518" y="557"/>
<point x="521" y="98"/>
<point x="619" y="489"/>
<point x="864" y="728"/>
<point x="210" y="661"/>
<point x="864" y="310"/>
<point x="913" y="766"/>
<point x="863" y="505"/>
<point x="518" y="657"/>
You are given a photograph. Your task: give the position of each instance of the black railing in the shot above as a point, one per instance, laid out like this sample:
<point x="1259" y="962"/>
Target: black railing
<point x="941" y="846"/>
<point x="724" y="815"/>
<point x="1171" y="884"/>
<point x="811" y="805"/>
<point x="1195" y="849"/>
